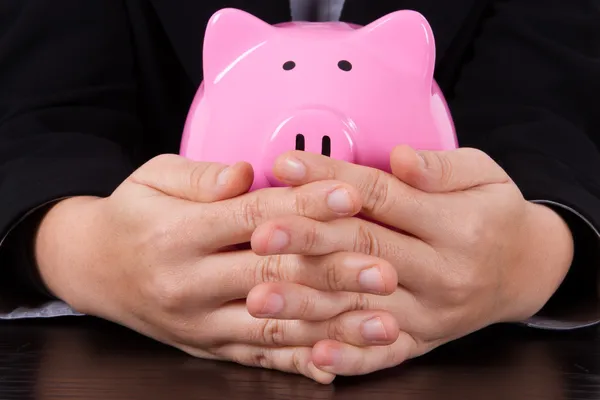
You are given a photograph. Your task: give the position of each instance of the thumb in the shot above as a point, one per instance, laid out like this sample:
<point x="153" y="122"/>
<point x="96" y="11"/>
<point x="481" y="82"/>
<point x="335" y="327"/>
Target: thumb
<point x="202" y="182"/>
<point x="445" y="171"/>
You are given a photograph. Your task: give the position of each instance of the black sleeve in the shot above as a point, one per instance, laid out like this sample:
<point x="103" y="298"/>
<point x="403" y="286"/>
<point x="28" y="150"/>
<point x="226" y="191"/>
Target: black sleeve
<point x="528" y="96"/>
<point x="575" y="304"/>
<point x="22" y="285"/>
<point x="67" y="107"/>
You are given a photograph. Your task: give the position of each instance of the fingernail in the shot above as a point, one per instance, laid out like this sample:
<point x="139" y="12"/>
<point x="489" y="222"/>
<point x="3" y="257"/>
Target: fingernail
<point x="371" y="280"/>
<point x="293" y="168"/>
<point x="278" y="241"/>
<point x="273" y="305"/>
<point x="339" y="201"/>
<point x="223" y="177"/>
<point x="373" y="330"/>
<point x="333" y="357"/>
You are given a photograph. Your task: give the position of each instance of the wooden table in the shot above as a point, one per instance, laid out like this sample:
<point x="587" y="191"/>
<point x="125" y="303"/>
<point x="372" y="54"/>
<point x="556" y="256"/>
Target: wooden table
<point x="81" y="358"/>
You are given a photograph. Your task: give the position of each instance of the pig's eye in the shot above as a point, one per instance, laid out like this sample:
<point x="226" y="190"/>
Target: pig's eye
<point x="289" y="65"/>
<point x="345" y="65"/>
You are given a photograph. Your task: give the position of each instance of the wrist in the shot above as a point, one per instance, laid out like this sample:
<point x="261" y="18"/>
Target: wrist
<point x="61" y="246"/>
<point x="544" y="262"/>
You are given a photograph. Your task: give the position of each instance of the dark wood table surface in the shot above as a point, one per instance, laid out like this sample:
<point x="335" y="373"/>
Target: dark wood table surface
<point x="81" y="358"/>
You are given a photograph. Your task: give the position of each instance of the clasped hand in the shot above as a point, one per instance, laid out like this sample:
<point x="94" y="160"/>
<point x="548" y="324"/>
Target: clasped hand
<point x="468" y="251"/>
<point x="350" y="269"/>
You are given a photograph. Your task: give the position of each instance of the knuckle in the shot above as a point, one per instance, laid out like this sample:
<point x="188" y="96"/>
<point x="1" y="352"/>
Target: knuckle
<point x="306" y="307"/>
<point x="302" y="203"/>
<point x="273" y="332"/>
<point x="457" y="286"/>
<point x="311" y="238"/>
<point x="254" y="357"/>
<point x="270" y="269"/>
<point x="451" y="280"/>
<point x="474" y="231"/>
<point x="262" y="358"/>
<point x="445" y="168"/>
<point x="298" y="361"/>
<point x="198" y="177"/>
<point x="195" y="178"/>
<point x="365" y="242"/>
<point x="377" y="195"/>
<point x="251" y="212"/>
<point x="390" y="356"/>
<point x="167" y="292"/>
<point x="157" y="239"/>
<point x="160" y="239"/>
<point x="335" y="277"/>
<point x="330" y="171"/>
<point x="335" y="330"/>
<point x="361" y="301"/>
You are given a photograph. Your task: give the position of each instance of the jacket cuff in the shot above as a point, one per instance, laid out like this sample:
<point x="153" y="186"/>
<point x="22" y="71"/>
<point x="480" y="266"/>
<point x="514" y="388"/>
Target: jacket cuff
<point x="30" y="187"/>
<point x="17" y="255"/>
<point x="576" y="303"/>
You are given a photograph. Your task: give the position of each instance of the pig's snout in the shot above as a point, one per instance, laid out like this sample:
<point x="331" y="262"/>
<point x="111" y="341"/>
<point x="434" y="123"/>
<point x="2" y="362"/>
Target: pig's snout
<point x="316" y="131"/>
<point x="325" y="143"/>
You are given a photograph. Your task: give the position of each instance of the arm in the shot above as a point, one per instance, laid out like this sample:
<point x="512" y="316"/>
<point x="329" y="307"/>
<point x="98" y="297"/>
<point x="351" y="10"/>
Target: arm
<point x="527" y="97"/>
<point x="67" y="120"/>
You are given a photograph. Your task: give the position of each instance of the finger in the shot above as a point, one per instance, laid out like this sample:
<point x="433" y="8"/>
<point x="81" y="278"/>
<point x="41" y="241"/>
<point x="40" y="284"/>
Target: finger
<point x="361" y="328"/>
<point x="347" y="360"/>
<point x="295" y="360"/>
<point x="445" y="171"/>
<point x="413" y="259"/>
<point x="232" y="221"/>
<point x="384" y="197"/>
<point x="286" y="300"/>
<point x="291" y="302"/>
<point x="305" y="236"/>
<point x="234" y="274"/>
<point x="311" y="320"/>
<point x="194" y="181"/>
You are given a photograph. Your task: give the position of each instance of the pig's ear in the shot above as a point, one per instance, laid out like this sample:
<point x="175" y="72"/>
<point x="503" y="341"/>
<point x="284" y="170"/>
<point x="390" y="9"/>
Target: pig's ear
<point x="229" y="34"/>
<point x="405" y="38"/>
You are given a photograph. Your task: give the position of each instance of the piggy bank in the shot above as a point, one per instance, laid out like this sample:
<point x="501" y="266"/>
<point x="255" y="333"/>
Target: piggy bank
<point x="345" y="91"/>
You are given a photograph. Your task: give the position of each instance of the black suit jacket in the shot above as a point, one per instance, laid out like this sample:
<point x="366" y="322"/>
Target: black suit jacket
<point x="89" y="90"/>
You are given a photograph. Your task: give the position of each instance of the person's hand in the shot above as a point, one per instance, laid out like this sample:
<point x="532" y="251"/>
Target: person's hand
<point x="148" y="257"/>
<point x="469" y="250"/>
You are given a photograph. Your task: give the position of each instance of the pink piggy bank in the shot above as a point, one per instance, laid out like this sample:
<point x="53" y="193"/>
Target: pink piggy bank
<point x="349" y="92"/>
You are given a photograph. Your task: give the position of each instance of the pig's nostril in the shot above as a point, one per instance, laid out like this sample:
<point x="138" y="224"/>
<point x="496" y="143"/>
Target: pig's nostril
<point x="300" y="142"/>
<point x="326" y="146"/>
